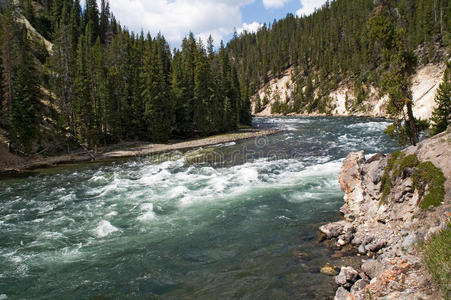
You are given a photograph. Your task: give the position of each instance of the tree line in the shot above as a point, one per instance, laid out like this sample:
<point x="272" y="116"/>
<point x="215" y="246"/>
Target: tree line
<point x="363" y="42"/>
<point x="102" y="83"/>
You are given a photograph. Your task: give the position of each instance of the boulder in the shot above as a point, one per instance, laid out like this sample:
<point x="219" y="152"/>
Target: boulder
<point x="332" y="230"/>
<point x="359" y="285"/>
<point x="372" y="268"/>
<point x="341" y="294"/>
<point x="350" y="171"/>
<point x="347" y="277"/>
<point x="374" y="168"/>
<point x="375" y="245"/>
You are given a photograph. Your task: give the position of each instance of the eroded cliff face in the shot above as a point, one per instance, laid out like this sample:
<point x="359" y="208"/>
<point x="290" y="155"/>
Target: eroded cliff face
<point x="386" y="233"/>
<point x="425" y="83"/>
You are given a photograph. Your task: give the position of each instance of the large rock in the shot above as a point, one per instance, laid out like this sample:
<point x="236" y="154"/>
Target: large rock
<point x="332" y="230"/>
<point x="342" y="294"/>
<point x="347" y="277"/>
<point x="372" y="268"/>
<point x="350" y="171"/>
<point x="359" y="285"/>
<point x="374" y="167"/>
<point x="350" y="180"/>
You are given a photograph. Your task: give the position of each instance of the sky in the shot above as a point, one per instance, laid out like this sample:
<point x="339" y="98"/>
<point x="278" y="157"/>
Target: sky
<point x="218" y="18"/>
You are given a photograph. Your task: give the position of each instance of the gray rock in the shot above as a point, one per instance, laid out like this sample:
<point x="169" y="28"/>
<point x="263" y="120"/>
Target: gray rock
<point x="410" y="240"/>
<point x="361" y="249"/>
<point x="359" y="285"/>
<point x="376" y="245"/>
<point x="364" y="276"/>
<point x="348" y="234"/>
<point x="403" y="190"/>
<point x="332" y="230"/>
<point x="341" y="294"/>
<point x="357" y="240"/>
<point x="347" y="277"/>
<point x="350" y="173"/>
<point x="372" y="268"/>
<point x="374" y="168"/>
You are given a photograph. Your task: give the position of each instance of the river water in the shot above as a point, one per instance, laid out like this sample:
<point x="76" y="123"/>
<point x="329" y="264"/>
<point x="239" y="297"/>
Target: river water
<point x="224" y="222"/>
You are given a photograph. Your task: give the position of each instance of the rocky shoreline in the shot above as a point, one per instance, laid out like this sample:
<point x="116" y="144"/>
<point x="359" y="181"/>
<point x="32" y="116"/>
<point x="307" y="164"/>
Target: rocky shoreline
<point x="385" y="229"/>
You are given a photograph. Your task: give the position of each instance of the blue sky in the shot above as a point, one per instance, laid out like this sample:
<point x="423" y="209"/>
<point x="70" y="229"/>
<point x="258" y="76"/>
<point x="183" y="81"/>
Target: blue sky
<point x="219" y="18"/>
<point x="256" y="12"/>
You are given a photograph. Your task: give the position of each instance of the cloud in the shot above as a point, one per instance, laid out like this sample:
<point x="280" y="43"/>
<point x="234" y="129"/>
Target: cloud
<point x="176" y="18"/>
<point x="274" y="3"/>
<point x="309" y="6"/>
<point x="253" y="27"/>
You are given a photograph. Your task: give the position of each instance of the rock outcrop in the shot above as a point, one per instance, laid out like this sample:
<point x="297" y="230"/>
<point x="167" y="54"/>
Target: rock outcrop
<point x="386" y="233"/>
<point x="425" y="83"/>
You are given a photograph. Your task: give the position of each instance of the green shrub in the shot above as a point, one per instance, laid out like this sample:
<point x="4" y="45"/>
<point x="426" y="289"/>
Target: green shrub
<point x="432" y="177"/>
<point x="425" y="176"/>
<point x="437" y="254"/>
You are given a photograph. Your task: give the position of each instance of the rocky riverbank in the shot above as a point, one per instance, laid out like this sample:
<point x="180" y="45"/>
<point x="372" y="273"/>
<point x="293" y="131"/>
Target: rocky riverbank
<point x="392" y="204"/>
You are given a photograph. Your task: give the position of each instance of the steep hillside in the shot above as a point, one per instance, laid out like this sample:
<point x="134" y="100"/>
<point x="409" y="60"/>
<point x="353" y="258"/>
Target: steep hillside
<point x="334" y="61"/>
<point x="344" y="100"/>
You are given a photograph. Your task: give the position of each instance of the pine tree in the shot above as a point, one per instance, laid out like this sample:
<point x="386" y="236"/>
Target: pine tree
<point x="202" y="92"/>
<point x="23" y="118"/>
<point x="396" y="80"/>
<point x="62" y="63"/>
<point x="441" y="117"/>
<point x="91" y="18"/>
<point x="83" y="85"/>
<point x="20" y="84"/>
<point x="29" y="12"/>
<point x="245" y="107"/>
<point x="104" y="26"/>
<point x="155" y="91"/>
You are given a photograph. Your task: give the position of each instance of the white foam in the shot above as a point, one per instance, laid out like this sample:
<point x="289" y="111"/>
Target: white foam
<point x="50" y="235"/>
<point x="187" y="200"/>
<point x="72" y="251"/>
<point x="3" y="296"/>
<point x="371" y="126"/>
<point x="178" y="191"/>
<point x="149" y="214"/>
<point x="284" y="218"/>
<point x="247" y="175"/>
<point x="104" y="229"/>
<point x="112" y="214"/>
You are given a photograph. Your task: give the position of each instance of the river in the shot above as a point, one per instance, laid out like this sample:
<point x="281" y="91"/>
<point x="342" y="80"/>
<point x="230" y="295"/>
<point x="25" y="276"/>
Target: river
<point x="222" y="222"/>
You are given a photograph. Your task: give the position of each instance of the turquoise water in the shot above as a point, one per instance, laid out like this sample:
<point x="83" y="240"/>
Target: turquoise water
<point x="223" y="222"/>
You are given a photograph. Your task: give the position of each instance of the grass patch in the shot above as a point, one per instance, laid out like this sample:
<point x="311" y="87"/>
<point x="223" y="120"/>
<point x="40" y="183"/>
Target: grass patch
<point x="432" y="177"/>
<point x="437" y="254"/>
<point x="427" y="179"/>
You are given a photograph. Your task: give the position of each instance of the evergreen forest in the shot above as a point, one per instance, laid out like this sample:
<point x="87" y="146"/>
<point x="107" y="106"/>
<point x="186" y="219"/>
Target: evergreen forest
<point x="101" y="83"/>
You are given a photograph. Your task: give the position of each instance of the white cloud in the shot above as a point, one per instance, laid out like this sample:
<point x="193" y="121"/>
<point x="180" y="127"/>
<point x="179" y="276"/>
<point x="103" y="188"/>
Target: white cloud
<point x="176" y="18"/>
<point x="274" y="3"/>
<point x="253" y="27"/>
<point x="309" y="6"/>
